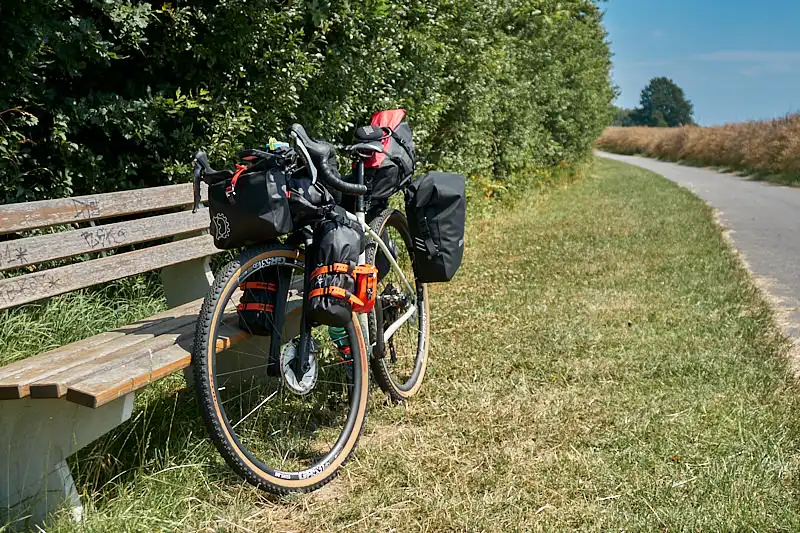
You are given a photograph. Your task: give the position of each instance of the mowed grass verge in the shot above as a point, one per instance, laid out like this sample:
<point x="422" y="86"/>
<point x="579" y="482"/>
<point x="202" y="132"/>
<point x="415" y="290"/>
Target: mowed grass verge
<point x="602" y="362"/>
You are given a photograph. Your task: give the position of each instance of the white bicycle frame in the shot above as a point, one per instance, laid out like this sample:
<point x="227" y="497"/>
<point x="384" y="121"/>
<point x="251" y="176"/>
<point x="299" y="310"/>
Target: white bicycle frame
<point x="360" y="217"/>
<point x="412" y="310"/>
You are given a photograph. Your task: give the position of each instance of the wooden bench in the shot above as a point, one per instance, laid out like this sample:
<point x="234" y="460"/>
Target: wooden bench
<point x="57" y="402"/>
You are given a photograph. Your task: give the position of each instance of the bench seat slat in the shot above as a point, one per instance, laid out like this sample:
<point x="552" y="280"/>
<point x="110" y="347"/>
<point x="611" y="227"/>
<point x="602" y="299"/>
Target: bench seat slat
<point x="43" y="213"/>
<point x="16" y="378"/>
<point x="56" y="385"/>
<point x="101" y="388"/>
<point x="33" y="250"/>
<point x="39" y="285"/>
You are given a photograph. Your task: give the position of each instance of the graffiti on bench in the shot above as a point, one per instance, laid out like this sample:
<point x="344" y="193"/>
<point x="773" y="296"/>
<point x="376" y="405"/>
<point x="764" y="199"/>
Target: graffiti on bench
<point x="87" y="208"/>
<point x="13" y="254"/>
<point x="101" y="237"/>
<point x="14" y="288"/>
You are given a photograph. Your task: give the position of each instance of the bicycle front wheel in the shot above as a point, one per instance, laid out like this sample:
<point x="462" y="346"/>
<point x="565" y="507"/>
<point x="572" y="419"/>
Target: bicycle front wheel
<point x="401" y="315"/>
<point x="279" y="431"/>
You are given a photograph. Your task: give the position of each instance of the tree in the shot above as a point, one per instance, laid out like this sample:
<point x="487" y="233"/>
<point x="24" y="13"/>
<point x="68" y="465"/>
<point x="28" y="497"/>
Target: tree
<point x="623" y="117"/>
<point x="663" y="104"/>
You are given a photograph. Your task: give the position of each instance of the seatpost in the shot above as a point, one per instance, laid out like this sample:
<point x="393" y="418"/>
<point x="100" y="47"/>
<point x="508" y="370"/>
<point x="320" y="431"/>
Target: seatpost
<point x="359" y="175"/>
<point x="361" y="215"/>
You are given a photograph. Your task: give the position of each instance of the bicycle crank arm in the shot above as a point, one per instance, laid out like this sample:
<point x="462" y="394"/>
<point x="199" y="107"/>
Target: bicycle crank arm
<point x="398" y="323"/>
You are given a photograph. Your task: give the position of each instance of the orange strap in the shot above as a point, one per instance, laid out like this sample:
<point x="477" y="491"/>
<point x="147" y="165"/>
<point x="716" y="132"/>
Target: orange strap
<point x="253" y="306"/>
<point x="259" y="286"/>
<point x="336" y="268"/>
<point x="341" y="268"/>
<point x="365" y="269"/>
<point x="239" y="170"/>
<point x="336" y="292"/>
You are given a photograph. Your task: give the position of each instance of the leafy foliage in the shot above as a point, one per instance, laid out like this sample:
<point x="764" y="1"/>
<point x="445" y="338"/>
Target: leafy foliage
<point x="101" y="95"/>
<point x="623" y="117"/>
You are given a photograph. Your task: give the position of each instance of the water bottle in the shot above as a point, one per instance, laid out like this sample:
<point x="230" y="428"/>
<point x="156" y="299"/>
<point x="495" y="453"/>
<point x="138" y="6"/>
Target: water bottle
<point x="342" y="341"/>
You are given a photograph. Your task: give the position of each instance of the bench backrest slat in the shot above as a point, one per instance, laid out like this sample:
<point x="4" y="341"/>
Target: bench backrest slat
<point x="40" y="214"/>
<point x="38" y="285"/>
<point x="33" y="250"/>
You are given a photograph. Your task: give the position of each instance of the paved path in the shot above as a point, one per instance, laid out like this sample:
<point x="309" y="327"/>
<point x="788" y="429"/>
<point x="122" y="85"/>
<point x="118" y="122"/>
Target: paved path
<point x="764" y="224"/>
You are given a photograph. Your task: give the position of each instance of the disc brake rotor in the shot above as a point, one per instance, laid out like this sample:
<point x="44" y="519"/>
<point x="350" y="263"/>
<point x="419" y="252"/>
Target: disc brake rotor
<point x="304" y="384"/>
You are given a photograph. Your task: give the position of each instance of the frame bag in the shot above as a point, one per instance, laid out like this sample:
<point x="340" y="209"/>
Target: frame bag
<point x="337" y="281"/>
<point x="386" y="173"/>
<point x="249" y="206"/>
<point x="436" y="208"/>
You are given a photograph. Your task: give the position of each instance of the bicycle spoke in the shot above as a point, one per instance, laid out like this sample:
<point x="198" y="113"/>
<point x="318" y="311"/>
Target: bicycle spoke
<point x="256" y="408"/>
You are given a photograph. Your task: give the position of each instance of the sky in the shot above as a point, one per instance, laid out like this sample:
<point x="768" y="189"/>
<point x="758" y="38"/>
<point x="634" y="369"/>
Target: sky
<point x="735" y="59"/>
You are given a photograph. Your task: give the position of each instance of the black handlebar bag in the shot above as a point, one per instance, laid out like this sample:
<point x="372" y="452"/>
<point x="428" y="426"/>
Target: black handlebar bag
<point x="308" y="202"/>
<point x="249" y="206"/>
<point x="436" y="207"/>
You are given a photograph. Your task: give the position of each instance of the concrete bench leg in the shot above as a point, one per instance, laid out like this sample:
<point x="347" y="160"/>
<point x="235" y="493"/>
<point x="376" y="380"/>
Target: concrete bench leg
<point x="184" y="283"/>
<point x="36" y="437"/>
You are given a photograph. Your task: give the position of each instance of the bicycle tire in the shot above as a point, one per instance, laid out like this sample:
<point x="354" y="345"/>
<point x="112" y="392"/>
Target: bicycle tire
<point x="383" y="369"/>
<point x="242" y="460"/>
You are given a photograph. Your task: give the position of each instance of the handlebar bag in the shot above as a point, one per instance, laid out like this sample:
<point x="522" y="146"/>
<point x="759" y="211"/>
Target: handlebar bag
<point x="436" y="209"/>
<point x="385" y="173"/>
<point x="308" y="202"/>
<point x="337" y="244"/>
<point x="251" y="207"/>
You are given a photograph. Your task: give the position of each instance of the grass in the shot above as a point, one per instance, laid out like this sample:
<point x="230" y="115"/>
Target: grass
<point x="35" y="328"/>
<point x="767" y="150"/>
<point x="602" y="362"/>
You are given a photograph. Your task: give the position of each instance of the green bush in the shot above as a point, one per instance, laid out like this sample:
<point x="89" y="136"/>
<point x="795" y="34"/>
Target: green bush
<point x="103" y="95"/>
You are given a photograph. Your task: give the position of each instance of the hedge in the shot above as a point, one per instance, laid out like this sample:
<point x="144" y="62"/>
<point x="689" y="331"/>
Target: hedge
<point x="103" y="95"/>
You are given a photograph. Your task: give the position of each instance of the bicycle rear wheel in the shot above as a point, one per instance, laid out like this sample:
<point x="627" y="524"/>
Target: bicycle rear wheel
<point x="400" y="367"/>
<point x="278" y="433"/>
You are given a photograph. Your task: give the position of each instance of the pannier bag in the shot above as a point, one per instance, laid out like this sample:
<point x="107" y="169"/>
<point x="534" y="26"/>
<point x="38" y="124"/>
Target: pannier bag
<point x="338" y="285"/>
<point x="386" y="172"/>
<point x="256" y="307"/>
<point x="436" y="208"/>
<point x="249" y="206"/>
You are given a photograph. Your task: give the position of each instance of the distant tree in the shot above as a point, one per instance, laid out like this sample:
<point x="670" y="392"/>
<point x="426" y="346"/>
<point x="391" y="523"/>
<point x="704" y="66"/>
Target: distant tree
<point x="663" y="104"/>
<point x="623" y="117"/>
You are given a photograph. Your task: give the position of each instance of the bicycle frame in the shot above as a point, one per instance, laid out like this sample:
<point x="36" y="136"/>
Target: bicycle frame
<point x="360" y="217"/>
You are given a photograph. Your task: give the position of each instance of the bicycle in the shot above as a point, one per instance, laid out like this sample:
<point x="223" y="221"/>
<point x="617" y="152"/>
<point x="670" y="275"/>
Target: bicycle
<point x="286" y="410"/>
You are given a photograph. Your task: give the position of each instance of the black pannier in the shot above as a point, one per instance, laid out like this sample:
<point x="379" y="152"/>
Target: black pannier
<point x="436" y="208"/>
<point x="256" y="307"/>
<point x="249" y="206"/>
<point x="337" y="244"/>
<point x="386" y="173"/>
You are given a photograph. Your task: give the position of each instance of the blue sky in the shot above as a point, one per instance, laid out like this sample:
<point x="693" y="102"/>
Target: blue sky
<point x="736" y="59"/>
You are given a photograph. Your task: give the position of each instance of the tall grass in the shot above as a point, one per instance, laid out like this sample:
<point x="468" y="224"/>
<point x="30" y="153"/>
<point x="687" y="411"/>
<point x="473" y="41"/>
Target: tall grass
<point x="769" y="149"/>
<point x="34" y="328"/>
